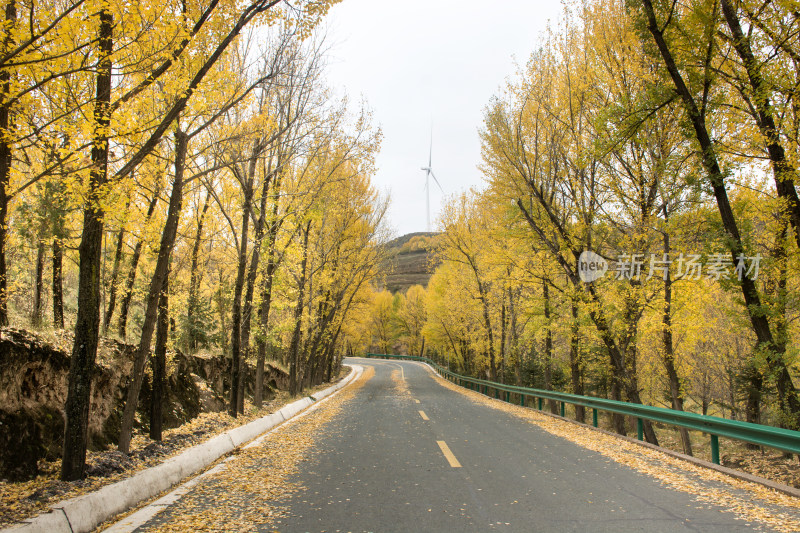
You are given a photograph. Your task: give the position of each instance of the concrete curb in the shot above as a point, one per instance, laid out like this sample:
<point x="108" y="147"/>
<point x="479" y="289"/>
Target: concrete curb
<point x="737" y="474"/>
<point x="84" y="513"/>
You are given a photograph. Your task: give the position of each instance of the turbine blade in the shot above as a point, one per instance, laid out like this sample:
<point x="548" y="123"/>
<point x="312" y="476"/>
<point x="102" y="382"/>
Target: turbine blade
<point x="437" y="181"/>
<point x="430" y="150"/>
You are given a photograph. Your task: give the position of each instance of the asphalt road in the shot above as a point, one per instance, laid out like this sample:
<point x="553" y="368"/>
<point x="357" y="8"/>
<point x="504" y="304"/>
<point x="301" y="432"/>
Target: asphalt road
<point x="407" y="454"/>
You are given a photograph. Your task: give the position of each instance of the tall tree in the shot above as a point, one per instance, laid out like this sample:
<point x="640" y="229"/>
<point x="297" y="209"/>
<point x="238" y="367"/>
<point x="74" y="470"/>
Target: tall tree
<point x="9" y="29"/>
<point x="87" y="323"/>
<point x="696" y="113"/>
<point x="156" y="287"/>
<point x="159" y="365"/>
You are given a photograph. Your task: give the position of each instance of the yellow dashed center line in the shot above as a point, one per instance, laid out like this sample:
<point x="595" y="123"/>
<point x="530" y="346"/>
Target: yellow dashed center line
<point x="448" y="454"/>
<point x="423" y="415"/>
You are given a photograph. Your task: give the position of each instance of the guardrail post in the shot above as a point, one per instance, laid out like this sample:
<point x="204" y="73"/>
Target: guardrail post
<point x="594" y="417"/>
<point x="508" y="397"/>
<point x="540" y="403"/>
<point x="715" y="449"/>
<point x="496" y="394"/>
<point x="522" y="400"/>
<point x="563" y="409"/>
<point x="639" y="429"/>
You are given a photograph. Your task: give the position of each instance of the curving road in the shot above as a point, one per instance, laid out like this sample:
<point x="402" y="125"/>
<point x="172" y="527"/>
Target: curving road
<point x="409" y="454"/>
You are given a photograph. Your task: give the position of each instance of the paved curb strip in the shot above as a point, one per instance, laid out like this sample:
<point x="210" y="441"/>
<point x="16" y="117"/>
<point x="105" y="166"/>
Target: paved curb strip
<point x="744" y="476"/>
<point x="84" y="513"/>
<point x="144" y="514"/>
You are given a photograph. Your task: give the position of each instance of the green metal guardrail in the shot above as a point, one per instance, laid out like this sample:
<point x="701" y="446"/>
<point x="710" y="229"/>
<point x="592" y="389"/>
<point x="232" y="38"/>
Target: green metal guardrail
<point x="779" y="438"/>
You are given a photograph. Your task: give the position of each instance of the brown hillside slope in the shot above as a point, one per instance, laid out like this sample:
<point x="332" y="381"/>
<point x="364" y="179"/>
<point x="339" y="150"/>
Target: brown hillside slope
<point x="411" y="261"/>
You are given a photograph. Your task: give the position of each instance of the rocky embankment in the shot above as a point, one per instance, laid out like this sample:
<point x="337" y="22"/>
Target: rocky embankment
<point x="33" y="390"/>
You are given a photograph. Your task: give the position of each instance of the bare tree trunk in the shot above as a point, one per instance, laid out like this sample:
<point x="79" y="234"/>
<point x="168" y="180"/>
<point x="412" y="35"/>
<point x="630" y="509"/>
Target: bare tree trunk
<point x="258" y="396"/>
<point x="669" y="353"/>
<point x="159" y="362"/>
<point x="784" y="380"/>
<point x="5" y="157"/>
<point x="266" y="290"/>
<point x="628" y="372"/>
<point x="617" y="420"/>
<point x="223" y="314"/>
<point x="125" y="303"/>
<point x="112" y="290"/>
<point x="38" y="289"/>
<point x="58" y="291"/>
<point x="294" y="349"/>
<point x="487" y="323"/>
<point x="236" y="309"/>
<point x="266" y="301"/>
<point x="503" y="328"/>
<point x="548" y="346"/>
<point x="154" y="294"/>
<point x="754" y="383"/>
<point x="87" y="325"/>
<point x="513" y="339"/>
<point x="576" y="370"/>
<point x="330" y="358"/>
<point x="251" y="283"/>
<point x="194" y="279"/>
<point x="243" y="373"/>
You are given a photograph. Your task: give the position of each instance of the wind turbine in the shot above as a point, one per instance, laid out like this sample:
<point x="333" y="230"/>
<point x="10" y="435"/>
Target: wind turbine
<point x="428" y="175"/>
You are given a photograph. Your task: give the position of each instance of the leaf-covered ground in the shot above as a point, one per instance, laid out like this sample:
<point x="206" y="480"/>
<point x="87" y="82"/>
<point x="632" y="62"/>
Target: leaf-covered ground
<point x="242" y="496"/>
<point x="750" y="501"/>
<point x="764" y="462"/>
<point x="400" y="384"/>
<point x="19" y="501"/>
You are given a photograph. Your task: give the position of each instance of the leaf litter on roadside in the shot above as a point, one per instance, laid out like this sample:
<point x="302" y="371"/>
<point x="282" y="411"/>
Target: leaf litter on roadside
<point x="400" y="383"/>
<point x="21" y="500"/>
<point x="242" y="496"/>
<point x="748" y="501"/>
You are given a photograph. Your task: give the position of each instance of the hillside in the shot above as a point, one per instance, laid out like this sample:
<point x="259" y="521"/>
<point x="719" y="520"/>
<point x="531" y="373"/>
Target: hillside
<point x="33" y="390"/>
<point x="411" y="261"/>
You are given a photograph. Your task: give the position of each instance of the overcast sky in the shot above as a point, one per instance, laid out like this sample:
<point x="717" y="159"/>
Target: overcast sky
<point x="420" y="63"/>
